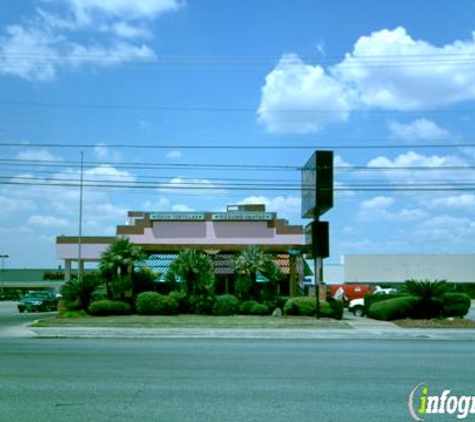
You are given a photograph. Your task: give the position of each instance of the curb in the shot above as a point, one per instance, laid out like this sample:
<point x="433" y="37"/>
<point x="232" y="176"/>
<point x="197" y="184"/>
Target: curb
<point x="267" y="334"/>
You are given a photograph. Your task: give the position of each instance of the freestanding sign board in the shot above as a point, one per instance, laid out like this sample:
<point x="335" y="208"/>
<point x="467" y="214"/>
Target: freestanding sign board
<point x="317" y="184"/>
<point x="317" y="199"/>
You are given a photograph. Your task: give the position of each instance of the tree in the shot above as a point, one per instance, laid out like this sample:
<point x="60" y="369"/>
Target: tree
<point x="196" y="269"/>
<point x="118" y="260"/>
<point x="429" y="294"/>
<point x="252" y="261"/>
<point x="81" y="291"/>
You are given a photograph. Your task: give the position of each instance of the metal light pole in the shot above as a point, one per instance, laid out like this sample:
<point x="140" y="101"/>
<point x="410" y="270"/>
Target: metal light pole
<point x="3" y="257"/>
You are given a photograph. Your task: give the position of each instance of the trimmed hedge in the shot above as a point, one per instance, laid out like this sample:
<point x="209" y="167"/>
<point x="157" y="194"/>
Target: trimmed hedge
<point x="152" y="303"/>
<point x="371" y="298"/>
<point x="181" y="300"/>
<point x="455" y="304"/>
<point x="109" y="307"/>
<point x="395" y="308"/>
<point x="201" y="305"/>
<point x="336" y="308"/>
<point x="301" y="305"/>
<point x="306" y="306"/>
<point x="226" y="305"/>
<point x="251" y="307"/>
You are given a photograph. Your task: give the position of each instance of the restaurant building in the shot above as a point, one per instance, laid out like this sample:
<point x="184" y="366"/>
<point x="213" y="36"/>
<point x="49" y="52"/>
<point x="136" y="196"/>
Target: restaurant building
<point x="221" y="235"/>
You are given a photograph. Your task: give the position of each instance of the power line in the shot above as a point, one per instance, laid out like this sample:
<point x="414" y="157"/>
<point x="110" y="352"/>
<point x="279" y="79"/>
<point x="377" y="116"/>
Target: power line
<point x="237" y="146"/>
<point x="206" y="109"/>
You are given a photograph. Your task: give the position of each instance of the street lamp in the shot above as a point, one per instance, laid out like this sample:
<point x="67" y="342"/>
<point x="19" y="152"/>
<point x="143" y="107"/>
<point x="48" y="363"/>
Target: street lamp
<point x="3" y="257"/>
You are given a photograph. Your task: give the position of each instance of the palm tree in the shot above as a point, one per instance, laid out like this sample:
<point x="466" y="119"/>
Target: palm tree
<point x="118" y="260"/>
<point x="81" y="291"/>
<point x="196" y="269"/>
<point x="429" y="294"/>
<point x="252" y="261"/>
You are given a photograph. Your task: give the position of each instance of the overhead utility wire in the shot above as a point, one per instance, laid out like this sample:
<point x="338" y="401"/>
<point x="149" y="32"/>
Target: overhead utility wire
<point x="237" y="147"/>
<point x="212" y="109"/>
<point x="217" y="188"/>
<point x="198" y="166"/>
<point x="200" y="183"/>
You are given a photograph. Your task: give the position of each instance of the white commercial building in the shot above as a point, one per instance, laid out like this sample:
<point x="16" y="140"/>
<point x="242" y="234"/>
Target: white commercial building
<point x="397" y="268"/>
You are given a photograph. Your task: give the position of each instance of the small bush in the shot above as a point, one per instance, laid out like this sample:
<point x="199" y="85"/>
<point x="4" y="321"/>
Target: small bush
<point x="245" y="307"/>
<point x="109" y="307"/>
<point x="396" y="308"/>
<point x="303" y="305"/>
<point x="371" y="298"/>
<point x="455" y="304"/>
<point x="202" y="305"/>
<point x="151" y="303"/>
<point x="226" y="305"/>
<point x="336" y="308"/>
<point x="259" y="309"/>
<point x="181" y="300"/>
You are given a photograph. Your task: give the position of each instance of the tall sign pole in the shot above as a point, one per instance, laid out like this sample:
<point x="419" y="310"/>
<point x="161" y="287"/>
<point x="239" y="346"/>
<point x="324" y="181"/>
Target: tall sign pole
<point x="80" y="267"/>
<point x="317" y="199"/>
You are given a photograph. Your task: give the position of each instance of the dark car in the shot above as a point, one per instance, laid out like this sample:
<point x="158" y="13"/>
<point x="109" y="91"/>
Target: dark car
<point x="40" y="301"/>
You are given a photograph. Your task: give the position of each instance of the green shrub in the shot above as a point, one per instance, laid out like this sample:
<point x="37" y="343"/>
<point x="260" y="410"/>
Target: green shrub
<point x="259" y="309"/>
<point x="302" y="305"/>
<point x="226" y="305"/>
<point x="181" y="300"/>
<point x="152" y="303"/>
<point x="81" y="291"/>
<point x="455" y="304"/>
<point x="371" y="298"/>
<point x="336" y="308"/>
<point x="467" y="288"/>
<point x="246" y="306"/>
<point x="109" y="307"/>
<point x="74" y="306"/>
<point x="251" y="307"/>
<point x="395" y="308"/>
<point x="202" y="305"/>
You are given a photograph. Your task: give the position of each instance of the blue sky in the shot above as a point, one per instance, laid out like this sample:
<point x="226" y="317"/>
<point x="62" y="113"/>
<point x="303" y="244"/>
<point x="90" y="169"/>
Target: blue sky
<point x="389" y="86"/>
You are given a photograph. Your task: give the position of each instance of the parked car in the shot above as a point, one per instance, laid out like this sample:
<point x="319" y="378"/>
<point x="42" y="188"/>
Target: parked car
<point x="39" y="301"/>
<point x="356" y="306"/>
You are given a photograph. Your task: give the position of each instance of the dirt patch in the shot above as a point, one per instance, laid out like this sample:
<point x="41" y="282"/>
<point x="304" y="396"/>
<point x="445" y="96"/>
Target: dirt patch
<point x="435" y="323"/>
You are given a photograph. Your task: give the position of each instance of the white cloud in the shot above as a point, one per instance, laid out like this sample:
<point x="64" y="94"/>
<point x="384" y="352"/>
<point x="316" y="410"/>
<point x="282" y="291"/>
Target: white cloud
<point x="47" y="221"/>
<point x="191" y="186"/>
<point x="54" y="52"/>
<point x="53" y="38"/>
<point x="449" y="229"/>
<point x="419" y="129"/>
<point x="37" y="155"/>
<point x="378" y="209"/>
<point x="103" y="152"/>
<point x="412" y="167"/>
<point x="387" y="69"/>
<point x="10" y="205"/>
<point x="301" y="98"/>
<point x="288" y="207"/>
<point x="84" y="10"/>
<point x="125" y="30"/>
<point x="462" y="201"/>
<point x="377" y="202"/>
<point x="174" y="154"/>
<point x="182" y="208"/>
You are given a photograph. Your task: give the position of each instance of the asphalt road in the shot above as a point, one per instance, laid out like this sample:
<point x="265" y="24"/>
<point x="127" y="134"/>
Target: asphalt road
<point x="224" y="380"/>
